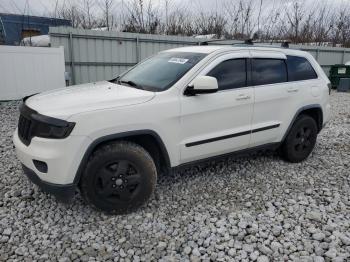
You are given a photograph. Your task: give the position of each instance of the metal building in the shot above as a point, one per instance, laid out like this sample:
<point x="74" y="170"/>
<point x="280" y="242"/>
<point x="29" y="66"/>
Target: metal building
<point x="13" y="27"/>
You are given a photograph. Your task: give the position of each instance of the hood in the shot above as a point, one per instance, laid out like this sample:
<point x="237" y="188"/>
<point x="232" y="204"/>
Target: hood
<point x="65" y="102"/>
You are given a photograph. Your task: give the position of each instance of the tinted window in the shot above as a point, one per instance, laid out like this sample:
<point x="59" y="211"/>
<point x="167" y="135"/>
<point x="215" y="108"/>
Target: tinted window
<point x="300" y="69"/>
<point x="268" y="71"/>
<point x="161" y="71"/>
<point x="230" y="74"/>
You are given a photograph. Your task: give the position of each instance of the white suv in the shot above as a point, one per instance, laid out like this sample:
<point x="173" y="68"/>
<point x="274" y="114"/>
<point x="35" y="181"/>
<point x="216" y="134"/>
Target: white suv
<point x="111" y="138"/>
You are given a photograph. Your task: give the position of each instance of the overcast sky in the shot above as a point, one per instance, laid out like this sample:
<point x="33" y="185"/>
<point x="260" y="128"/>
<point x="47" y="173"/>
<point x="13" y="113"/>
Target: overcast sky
<point x="44" y="7"/>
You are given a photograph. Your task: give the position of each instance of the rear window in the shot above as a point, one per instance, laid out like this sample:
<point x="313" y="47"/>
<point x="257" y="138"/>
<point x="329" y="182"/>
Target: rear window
<point x="299" y="68"/>
<point x="268" y="71"/>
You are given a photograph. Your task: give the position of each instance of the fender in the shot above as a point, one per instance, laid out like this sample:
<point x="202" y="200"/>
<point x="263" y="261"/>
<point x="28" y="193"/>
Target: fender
<point x="111" y="137"/>
<point x="298" y="113"/>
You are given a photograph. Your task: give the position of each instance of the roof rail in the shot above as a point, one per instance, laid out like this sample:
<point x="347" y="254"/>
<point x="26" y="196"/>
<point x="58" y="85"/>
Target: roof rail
<point x="249" y="42"/>
<point x="206" y="42"/>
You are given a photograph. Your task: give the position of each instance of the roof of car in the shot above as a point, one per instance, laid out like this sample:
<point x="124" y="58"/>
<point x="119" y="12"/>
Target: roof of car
<point x="212" y="48"/>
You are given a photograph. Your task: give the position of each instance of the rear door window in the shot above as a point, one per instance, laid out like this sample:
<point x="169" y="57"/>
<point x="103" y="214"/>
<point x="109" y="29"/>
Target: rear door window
<point x="299" y="68"/>
<point x="268" y="71"/>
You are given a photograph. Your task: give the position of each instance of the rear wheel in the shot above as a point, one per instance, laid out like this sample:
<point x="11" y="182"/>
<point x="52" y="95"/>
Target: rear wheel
<point x="119" y="177"/>
<point x="301" y="139"/>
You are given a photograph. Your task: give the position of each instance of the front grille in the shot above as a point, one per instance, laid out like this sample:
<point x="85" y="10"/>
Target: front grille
<point x="24" y="129"/>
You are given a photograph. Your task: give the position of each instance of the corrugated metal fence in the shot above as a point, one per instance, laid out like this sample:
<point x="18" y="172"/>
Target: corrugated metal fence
<point x="97" y="55"/>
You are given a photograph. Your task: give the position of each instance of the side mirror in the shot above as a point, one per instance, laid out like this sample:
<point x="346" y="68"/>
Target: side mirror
<point x="202" y="85"/>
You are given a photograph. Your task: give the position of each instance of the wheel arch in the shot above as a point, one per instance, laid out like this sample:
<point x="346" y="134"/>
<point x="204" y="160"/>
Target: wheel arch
<point x="314" y="111"/>
<point x="148" y="139"/>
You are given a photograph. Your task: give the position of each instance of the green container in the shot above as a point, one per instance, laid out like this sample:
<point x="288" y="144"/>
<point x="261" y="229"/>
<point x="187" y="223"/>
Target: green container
<point x="337" y="72"/>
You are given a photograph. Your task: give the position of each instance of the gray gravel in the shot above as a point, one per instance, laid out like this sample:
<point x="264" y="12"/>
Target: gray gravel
<point x="253" y="208"/>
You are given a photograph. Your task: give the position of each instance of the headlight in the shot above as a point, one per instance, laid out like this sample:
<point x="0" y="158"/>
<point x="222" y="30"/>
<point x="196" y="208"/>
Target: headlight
<point x="32" y="124"/>
<point x="48" y="127"/>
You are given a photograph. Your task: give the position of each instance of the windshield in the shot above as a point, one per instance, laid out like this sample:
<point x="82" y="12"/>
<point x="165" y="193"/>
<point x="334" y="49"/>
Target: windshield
<point x="161" y="71"/>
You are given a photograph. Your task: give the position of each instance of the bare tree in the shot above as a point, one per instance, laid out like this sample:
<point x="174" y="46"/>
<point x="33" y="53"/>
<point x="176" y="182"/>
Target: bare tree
<point x="107" y="8"/>
<point x="207" y="24"/>
<point x="341" y="32"/>
<point x="70" y="12"/>
<point x="88" y="19"/>
<point x="239" y="19"/>
<point x="295" y="18"/>
<point x="259" y="16"/>
<point x="322" y="25"/>
<point x="142" y="18"/>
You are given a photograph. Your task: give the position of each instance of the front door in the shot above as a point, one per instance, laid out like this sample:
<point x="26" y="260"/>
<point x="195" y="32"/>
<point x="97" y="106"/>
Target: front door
<point x="218" y="123"/>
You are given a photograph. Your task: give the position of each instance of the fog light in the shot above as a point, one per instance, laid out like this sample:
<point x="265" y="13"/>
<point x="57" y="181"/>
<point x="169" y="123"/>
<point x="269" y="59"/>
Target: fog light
<point x="40" y="165"/>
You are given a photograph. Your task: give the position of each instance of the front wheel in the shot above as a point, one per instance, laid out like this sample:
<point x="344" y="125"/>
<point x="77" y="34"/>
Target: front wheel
<point x="119" y="177"/>
<point x="300" y="140"/>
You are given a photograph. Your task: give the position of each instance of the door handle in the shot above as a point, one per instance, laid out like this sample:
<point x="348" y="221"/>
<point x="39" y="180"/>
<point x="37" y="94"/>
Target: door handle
<point x="242" y="97"/>
<point x="292" y="90"/>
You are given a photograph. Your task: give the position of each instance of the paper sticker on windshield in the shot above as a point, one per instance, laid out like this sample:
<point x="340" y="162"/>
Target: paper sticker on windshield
<point x="178" y="60"/>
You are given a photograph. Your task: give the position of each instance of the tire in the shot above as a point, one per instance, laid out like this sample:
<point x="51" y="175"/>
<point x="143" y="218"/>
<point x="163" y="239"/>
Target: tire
<point x="300" y="140"/>
<point x="118" y="178"/>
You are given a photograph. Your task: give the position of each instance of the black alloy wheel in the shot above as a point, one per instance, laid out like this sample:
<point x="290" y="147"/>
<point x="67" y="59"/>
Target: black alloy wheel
<point x="300" y="140"/>
<point x="303" y="139"/>
<point x="119" y="177"/>
<point x="118" y="181"/>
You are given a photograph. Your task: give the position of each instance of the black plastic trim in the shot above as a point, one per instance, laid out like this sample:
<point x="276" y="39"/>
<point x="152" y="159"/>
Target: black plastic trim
<point x="40" y="165"/>
<point x="249" y="72"/>
<point x="26" y="97"/>
<point x="317" y="106"/>
<point x="205" y="141"/>
<point x="247" y="151"/>
<point x="265" y="128"/>
<point x="190" y="91"/>
<point x="112" y="137"/>
<point x="63" y="193"/>
<point x="30" y="113"/>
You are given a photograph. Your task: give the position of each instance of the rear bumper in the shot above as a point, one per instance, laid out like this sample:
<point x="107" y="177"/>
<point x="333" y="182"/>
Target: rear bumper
<point x="63" y="193"/>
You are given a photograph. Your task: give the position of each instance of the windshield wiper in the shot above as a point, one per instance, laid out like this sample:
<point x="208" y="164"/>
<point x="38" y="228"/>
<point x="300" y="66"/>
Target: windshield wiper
<point x="114" y="80"/>
<point x="131" y="83"/>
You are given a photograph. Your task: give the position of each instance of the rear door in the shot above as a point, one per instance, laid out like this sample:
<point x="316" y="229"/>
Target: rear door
<point x="274" y="96"/>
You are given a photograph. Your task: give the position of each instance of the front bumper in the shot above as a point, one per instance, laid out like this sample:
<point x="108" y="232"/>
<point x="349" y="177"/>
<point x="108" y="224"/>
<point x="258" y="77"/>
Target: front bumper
<point x="63" y="193"/>
<point x="62" y="157"/>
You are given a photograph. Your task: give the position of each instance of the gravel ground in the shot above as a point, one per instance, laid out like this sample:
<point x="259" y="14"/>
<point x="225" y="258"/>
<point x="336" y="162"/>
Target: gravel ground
<point x="255" y="208"/>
